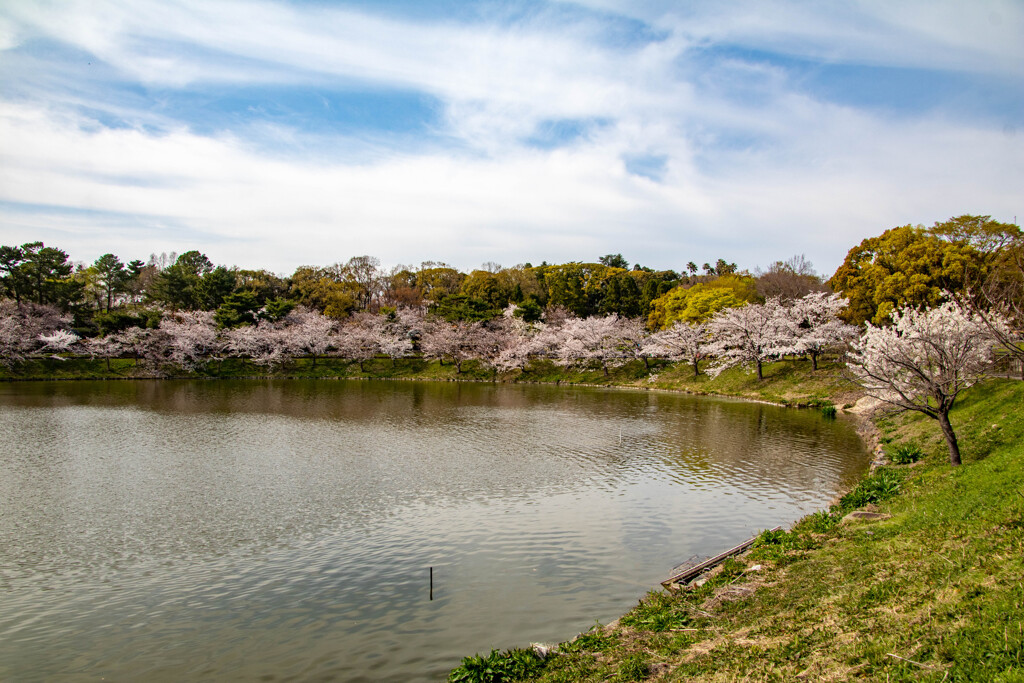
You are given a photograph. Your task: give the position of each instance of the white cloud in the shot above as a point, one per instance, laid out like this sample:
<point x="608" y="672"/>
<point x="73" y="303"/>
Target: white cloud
<point x="981" y="36"/>
<point x="558" y="205"/>
<point x="756" y="170"/>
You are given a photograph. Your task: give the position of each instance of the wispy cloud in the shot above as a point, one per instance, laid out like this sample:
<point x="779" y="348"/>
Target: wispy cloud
<point x="275" y="134"/>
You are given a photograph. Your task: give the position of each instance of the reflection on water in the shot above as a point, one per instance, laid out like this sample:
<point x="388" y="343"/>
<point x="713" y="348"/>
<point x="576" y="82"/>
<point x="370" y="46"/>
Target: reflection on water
<point x="284" y="530"/>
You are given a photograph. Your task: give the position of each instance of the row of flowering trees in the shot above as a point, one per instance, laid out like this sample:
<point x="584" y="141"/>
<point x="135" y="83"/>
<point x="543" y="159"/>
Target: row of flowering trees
<point x="749" y="335"/>
<point x="922" y="361"/>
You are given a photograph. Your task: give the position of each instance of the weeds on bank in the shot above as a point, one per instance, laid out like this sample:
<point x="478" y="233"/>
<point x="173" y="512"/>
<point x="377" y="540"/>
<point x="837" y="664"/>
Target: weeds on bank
<point x="512" y="665"/>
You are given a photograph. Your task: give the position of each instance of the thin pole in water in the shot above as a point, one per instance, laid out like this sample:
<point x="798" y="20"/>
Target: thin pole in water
<point x="431" y="583"/>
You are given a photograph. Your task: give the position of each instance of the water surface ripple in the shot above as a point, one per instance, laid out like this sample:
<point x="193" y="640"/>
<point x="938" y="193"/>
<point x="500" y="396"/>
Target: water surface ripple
<point x="284" y="530"/>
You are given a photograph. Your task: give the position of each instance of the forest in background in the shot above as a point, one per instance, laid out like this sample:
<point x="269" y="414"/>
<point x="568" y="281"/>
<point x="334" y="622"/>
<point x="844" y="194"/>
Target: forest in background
<point x="908" y="265"/>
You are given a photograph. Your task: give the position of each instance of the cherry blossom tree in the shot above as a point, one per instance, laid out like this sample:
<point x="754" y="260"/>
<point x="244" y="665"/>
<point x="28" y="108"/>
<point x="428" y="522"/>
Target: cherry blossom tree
<point x="410" y="318"/>
<point x="191" y="337"/>
<point x="106" y="347"/>
<point x="390" y="334"/>
<point x="549" y="339"/>
<point x="924" y="360"/>
<point x="140" y="343"/>
<point x="14" y="345"/>
<point x="585" y="340"/>
<point x="491" y="340"/>
<point x="265" y="343"/>
<point x="749" y="335"/>
<point x="683" y="341"/>
<point x="357" y="339"/>
<point x="516" y="341"/>
<point x="632" y="340"/>
<point x="58" y="341"/>
<point x="393" y="342"/>
<point x="459" y="341"/>
<point x="513" y="352"/>
<point x="309" y="332"/>
<point x="22" y="325"/>
<point x="815" y="324"/>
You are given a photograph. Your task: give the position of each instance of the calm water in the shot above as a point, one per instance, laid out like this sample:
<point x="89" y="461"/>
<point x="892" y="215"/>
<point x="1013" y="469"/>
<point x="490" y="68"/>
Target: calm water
<point x="284" y="530"/>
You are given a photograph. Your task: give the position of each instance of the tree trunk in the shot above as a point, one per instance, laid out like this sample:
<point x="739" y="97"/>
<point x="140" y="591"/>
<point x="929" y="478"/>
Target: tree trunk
<point x="760" y="375"/>
<point x="947" y="431"/>
<point x="814" y="360"/>
<point x="696" y="369"/>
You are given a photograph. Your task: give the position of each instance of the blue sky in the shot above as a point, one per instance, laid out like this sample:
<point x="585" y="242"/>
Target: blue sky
<point x="282" y="133"/>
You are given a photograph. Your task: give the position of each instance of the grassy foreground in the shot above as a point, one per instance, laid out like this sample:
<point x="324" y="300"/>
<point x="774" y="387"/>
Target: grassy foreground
<point x="935" y="592"/>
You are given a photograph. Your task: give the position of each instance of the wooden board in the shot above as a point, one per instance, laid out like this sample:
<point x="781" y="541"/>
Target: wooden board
<point x="711" y="562"/>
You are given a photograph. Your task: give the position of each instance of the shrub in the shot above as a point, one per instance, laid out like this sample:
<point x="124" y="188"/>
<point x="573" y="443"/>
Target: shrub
<point x="904" y="453"/>
<point x="774" y="546"/>
<point x="829" y="411"/>
<point x="882" y="485"/>
<point x="658" y="611"/>
<point x="820" y="522"/>
<point x="511" y="665"/>
<point x="594" y="640"/>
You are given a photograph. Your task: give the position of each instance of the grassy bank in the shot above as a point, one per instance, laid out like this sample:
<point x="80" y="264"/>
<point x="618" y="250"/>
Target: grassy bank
<point x="931" y="593"/>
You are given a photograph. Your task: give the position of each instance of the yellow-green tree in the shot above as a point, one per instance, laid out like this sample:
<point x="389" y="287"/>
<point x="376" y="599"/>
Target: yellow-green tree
<point x="910" y="266"/>
<point x="323" y="289"/>
<point x="488" y="287"/>
<point x="701" y="301"/>
<point x="435" y="281"/>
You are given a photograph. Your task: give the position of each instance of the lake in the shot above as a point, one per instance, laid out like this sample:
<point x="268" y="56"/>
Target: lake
<point x="285" y="530"/>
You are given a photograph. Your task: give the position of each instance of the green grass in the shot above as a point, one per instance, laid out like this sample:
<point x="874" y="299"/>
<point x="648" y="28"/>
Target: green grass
<point x="788" y="382"/>
<point x="932" y="593"/>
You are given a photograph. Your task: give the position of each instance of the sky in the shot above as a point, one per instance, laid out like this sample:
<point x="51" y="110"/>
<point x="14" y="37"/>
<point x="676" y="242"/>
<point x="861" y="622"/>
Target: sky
<point x="281" y="133"/>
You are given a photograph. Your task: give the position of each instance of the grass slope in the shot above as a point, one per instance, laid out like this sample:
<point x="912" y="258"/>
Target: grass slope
<point x="933" y="593"/>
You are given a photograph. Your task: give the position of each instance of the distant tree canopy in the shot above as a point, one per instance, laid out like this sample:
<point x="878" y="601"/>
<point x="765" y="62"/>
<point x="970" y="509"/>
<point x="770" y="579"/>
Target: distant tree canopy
<point x="699" y="302"/>
<point x="586" y="289"/>
<point x="974" y="258"/>
<point x="788" y="280"/>
<point x="323" y="289"/>
<point x="913" y="266"/>
<point x="463" y="308"/>
<point x="39" y="274"/>
<point x="192" y="283"/>
<point x="614" y="261"/>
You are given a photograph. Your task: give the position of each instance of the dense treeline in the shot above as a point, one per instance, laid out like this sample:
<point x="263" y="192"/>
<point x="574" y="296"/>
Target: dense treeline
<point x="110" y="295"/>
<point x="907" y="265"/>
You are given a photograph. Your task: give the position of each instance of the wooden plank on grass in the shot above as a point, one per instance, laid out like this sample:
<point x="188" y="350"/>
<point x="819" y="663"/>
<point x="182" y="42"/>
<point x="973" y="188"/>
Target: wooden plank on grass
<point x="682" y="577"/>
